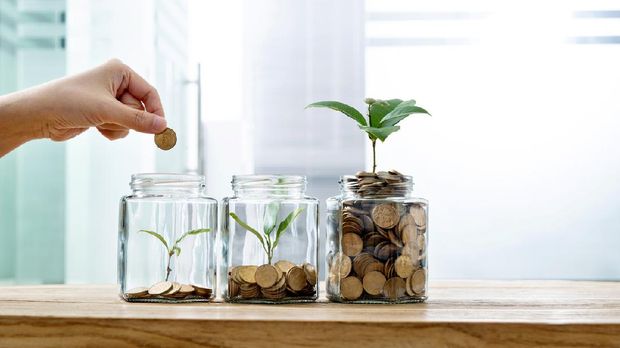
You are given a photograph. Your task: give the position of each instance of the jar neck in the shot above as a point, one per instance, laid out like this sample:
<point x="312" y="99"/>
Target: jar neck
<point x="269" y="186"/>
<point x="167" y="184"/>
<point x="382" y="186"/>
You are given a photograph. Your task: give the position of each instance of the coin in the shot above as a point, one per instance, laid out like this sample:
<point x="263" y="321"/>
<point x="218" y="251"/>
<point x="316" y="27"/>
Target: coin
<point x="247" y="274"/>
<point x="341" y="265"/>
<point x="373" y="282"/>
<point x="352" y="244"/>
<point x="186" y="289"/>
<point x="267" y="275"/>
<point x="284" y="265"/>
<point x="351" y="288"/>
<point x="160" y="288"/>
<point x="296" y="278"/>
<point x="409" y="233"/>
<point x="403" y="266"/>
<point x="202" y="291"/>
<point x="173" y="290"/>
<point x="137" y="292"/>
<point x="418" y="281"/>
<point x="394" y="288"/>
<point x="385" y="215"/>
<point x="166" y="139"/>
<point x="419" y="215"/>
<point x="233" y="288"/>
<point x="310" y="273"/>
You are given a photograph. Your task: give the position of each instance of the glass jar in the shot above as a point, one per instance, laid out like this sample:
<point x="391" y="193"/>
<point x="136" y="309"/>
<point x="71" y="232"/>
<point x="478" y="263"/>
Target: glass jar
<point x="269" y="241"/>
<point x="376" y="241"/>
<point x="167" y="230"/>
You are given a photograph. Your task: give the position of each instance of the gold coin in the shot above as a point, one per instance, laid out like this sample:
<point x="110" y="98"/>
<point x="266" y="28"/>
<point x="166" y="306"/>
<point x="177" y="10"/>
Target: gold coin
<point x="247" y="274"/>
<point x="394" y="288"/>
<point x="310" y="273"/>
<point x="284" y="265"/>
<point x="137" y="292"/>
<point x="418" y="282"/>
<point x="266" y="276"/>
<point x="352" y="244"/>
<point x="173" y="290"/>
<point x="166" y="139"/>
<point x="404" y="266"/>
<point x="373" y="282"/>
<point x="186" y="289"/>
<point x="385" y="215"/>
<point x="160" y="288"/>
<point x="341" y="265"/>
<point x="419" y="215"/>
<point x="351" y="288"/>
<point x="296" y="278"/>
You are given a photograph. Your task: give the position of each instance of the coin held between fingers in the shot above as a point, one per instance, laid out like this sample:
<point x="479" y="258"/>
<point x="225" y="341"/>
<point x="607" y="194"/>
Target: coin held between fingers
<point x="166" y="140"/>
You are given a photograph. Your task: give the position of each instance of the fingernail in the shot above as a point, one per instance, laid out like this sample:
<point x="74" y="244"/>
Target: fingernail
<point x="159" y="123"/>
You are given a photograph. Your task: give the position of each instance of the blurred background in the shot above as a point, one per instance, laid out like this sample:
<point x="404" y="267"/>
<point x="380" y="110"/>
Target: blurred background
<point x="520" y="161"/>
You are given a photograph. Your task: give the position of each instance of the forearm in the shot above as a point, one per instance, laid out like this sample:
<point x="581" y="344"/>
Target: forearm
<point x="18" y="120"/>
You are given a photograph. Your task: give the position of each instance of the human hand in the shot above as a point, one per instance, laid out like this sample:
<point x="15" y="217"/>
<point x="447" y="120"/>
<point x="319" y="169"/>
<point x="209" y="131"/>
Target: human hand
<point x="111" y="97"/>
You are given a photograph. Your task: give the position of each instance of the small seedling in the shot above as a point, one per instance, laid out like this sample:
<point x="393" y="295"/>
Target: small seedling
<point x="175" y="249"/>
<point x="383" y="117"/>
<point x="270" y="236"/>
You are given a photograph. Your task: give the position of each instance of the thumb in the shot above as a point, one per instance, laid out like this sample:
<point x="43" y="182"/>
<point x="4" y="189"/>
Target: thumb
<point x="139" y="120"/>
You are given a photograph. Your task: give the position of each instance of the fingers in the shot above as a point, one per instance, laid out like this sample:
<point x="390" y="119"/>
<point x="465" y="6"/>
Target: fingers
<point x="139" y="120"/>
<point x="114" y="135"/>
<point x="141" y="90"/>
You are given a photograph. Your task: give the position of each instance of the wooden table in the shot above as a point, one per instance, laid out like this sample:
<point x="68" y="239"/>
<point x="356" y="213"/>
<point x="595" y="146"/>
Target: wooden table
<point x="458" y="313"/>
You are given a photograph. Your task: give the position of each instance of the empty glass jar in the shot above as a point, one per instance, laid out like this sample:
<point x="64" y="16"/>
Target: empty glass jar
<point x="269" y="241"/>
<point x="167" y="230"/>
<point x="377" y="240"/>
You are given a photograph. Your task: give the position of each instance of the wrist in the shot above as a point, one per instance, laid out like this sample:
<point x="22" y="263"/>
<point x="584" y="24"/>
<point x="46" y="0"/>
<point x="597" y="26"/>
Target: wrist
<point x="18" y="120"/>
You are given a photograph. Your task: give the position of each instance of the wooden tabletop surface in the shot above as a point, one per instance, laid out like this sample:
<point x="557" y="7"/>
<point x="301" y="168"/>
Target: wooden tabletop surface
<point x="458" y="313"/>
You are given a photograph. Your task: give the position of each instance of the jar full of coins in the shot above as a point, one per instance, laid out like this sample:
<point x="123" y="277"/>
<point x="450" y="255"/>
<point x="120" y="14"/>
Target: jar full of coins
<point x="269" y="241"/>
<point x="377" y="234"/>
<point x="167" y="230"/>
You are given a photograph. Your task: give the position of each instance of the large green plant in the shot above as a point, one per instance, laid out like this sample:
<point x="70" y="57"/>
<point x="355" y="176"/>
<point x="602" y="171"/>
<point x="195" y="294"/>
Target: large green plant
<point x="381" y="119"/>
<point x="270" y="236"/>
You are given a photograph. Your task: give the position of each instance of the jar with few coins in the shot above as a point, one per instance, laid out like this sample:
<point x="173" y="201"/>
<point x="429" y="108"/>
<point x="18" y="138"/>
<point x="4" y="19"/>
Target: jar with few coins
<point x="377" y="235"/>
<point x="167" y="233"/>
<point x="269" y="238"/>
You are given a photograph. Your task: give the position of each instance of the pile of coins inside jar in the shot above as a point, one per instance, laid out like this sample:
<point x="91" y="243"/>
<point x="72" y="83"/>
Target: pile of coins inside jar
<point x="169" y="291"/>
<point x="380" y="184"/>
<point x="281" y="280"/>
<point x="383" y="250"/>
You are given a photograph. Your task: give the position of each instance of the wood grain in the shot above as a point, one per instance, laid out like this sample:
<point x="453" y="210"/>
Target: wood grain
<point x="458" y="313"/>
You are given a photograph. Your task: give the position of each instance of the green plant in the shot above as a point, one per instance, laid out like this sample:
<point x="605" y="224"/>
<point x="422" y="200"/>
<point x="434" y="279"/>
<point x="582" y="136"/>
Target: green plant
<point x="267" y="239"/>
<point x="175" y="249"/>
<point x="383" y="117"/>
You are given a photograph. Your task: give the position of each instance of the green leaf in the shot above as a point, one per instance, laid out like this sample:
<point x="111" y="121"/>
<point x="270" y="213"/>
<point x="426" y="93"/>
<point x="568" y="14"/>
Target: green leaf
<point x="250" y="229"/>
<point x="158" y="236"/>
<point x="191" y="233"/>
<point x="380" y="133"/>
<point x="403" y="110"/>
<point x="176" y="250"/>
<point x="270" y="217"/>
<point x="380" y="108"/>
<point x="344" y="108"/>
<point x="285" y="223"/>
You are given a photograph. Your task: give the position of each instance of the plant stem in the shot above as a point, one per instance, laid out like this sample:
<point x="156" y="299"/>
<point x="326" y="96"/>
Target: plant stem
<point x="374" y="155"/>
<point x="168" y="269"/>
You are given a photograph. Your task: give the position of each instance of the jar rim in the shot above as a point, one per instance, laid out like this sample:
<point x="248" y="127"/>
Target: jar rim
<point x="166" y="180"/>
<point x="267" y="180"/>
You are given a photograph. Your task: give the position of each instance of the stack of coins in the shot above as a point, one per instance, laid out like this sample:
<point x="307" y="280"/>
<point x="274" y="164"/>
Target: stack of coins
<point x="275" y="282"/>
<point x="383" y="250"/>
<point x="380" y="184"/>
<point x="167" y="290"/>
